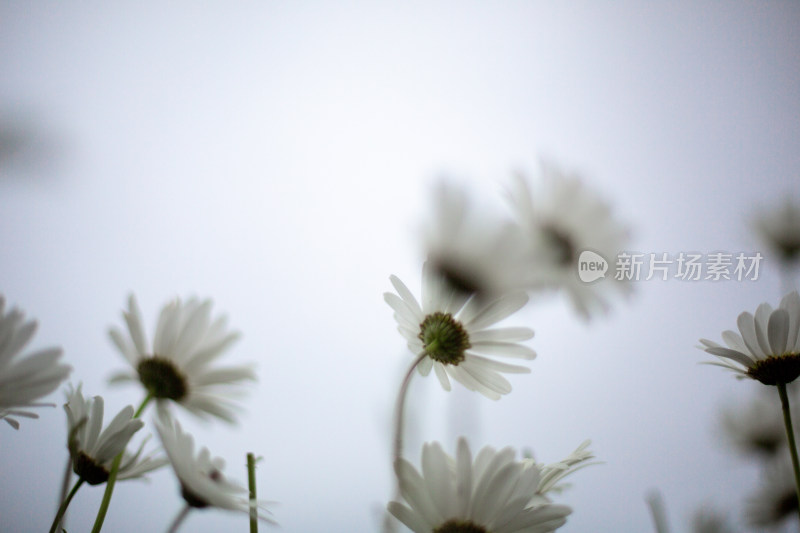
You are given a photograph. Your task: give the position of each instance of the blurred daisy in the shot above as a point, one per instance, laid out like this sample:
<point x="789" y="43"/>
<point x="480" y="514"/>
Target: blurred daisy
<point x="24" y="380"/>
<point x="474" y="253"/>
<point x="179" y="365"/>
<point x="493" y="494"/>
<point x="776" y="500"/>
<point x="200" y="476"/>
<point x="757" y="427"/>
<point x="779" y="229"/>
<point x="93" y="450"/>
<point x="768" y="346"/>
<point x="560" y="220"/>
<point x="709" y="520"/>
<point x="452" y="329"/>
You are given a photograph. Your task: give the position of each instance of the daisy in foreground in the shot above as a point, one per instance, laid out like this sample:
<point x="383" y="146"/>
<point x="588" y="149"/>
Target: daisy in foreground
<point x="92" y="452"/>
<point x="450" y="330"/>
<point x="178" y="366"/>
<point x="492" y="494"/>
<point x="768" y="350"/>
<point x="559" y="220"/>
<point x="25" y="380"/>
<point x="202" y="483"/>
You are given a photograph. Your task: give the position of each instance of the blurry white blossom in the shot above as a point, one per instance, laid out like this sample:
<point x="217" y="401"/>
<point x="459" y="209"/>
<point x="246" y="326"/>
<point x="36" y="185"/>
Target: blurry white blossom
<point x="180" y="364"/>
<point x="776" y="500"/>
<point x="779" y="229"/>
<point x="24" y="380"/>
<point x="559" y="218"/>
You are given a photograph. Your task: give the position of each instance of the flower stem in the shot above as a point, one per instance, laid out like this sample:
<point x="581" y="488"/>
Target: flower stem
<point x="179" y="519"/>
<point x="63" y="508"/>
<point x="112" y="475"/>
<point x="787" y="421"/>
<point x="399" y="417"/>
<point x="251" y="484"/>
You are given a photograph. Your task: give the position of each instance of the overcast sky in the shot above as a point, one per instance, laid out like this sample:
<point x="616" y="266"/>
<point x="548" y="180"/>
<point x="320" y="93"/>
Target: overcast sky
<point x="280" y="157"/>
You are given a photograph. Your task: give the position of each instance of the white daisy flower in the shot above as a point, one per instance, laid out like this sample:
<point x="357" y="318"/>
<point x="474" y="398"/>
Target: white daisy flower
<point x="178" y="367"/>
<point x="25" y="380"/>
<point x="780" y="230"/>
<point x="559" y="220"/>
<point x="200" y="476"/>
<point x="452" y="330"/>
<point x="93" y="450"/>
<point x="473" y="252"/>
<point x="768" y="348"/>
<point x="776" y="500"/>
<point x="493" y="494"/>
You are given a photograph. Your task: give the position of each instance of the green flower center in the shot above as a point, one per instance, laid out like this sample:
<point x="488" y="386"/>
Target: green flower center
<point x="161" y="378"/>
<point x="445" y="339"/>
<point x="88" y="469"/>
<point x="776" y="369"/>
<point x="563" y="248"/>
<point x="459" y="526"/>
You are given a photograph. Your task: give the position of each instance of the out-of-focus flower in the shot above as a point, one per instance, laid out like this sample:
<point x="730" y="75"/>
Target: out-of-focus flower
<point x="493" y="494"/>
<point x="768" y="349"/>
<point x="779" y="229"/>
<point x="452" y="329"/>
<point x="550" y="475"/>
<point x="93" y="450"/>
<point x="757" y="427"/>
<point x="179" y="365"/>
<point x="200" y="476"/>
<point x="559" y="220"/>
<point x="24" y="380"/>
<point x="709" y="520"/>
<point x="473" y="252"/>
<point x="776" y="500"/>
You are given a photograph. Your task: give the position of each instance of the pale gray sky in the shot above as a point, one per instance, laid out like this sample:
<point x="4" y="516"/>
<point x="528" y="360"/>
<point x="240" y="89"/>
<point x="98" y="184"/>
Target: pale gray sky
<point x="279" y="159"/>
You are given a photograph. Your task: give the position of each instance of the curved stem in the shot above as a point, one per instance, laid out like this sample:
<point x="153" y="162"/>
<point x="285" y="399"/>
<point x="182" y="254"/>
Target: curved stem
<point x="389" y="525"/>
<point x="251" y="483"/>
<point x="112" y="475"/>
<point x="179" y="519"/>
<point x="63" y="508"/>
<point x="787" y="421"/>
<point x="397" y="451"/>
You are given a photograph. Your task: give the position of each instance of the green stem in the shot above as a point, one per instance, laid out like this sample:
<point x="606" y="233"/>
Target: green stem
<point x="399" y="421"/>
<point x="63" y="508"/>
<point x="112" y="475"/>
<point x="251" y="484"/>
<point x="787" y="421"/>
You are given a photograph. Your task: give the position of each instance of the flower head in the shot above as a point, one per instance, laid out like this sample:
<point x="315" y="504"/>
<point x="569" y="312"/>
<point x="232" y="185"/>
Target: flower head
<point x="780" y="230"/>
<point x="494" y="493"/>
<point x="178" y="367"/>
<point x="200" y="476"/>
<point x="559" y="221"/>
<point x="768" y="346"/>
<point x="24" y="380"/>
<point x="451" y="329"/>
<point x="472" y="252"/>
<point x="93" y="450"/>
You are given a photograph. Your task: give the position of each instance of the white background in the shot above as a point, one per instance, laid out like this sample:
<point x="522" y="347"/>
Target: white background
<point x="279" y="159"/>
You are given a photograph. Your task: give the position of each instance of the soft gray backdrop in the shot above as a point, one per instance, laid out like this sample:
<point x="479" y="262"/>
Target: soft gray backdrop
<point x="279" y="158"/>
